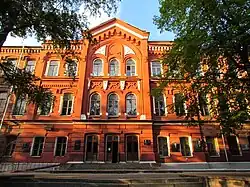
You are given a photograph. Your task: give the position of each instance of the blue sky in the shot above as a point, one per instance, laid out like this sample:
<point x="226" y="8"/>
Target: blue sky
<point x="139" y="13"/>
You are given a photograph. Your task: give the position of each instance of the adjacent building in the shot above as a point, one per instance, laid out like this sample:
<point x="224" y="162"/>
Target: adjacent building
<point x="105" y="113"/>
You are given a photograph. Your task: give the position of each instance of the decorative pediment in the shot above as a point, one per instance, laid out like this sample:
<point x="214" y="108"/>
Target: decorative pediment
<point x="101" y="50"/>
<point x="128" y="50"/>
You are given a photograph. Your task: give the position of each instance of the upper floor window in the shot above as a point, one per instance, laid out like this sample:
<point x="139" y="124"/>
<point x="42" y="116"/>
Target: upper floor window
<point x="113" y="105"/>
<point x="163" y="146"/>
<point x="46" y="108"/>
<point x="3" y="99"/>
<point x="67" y="104"/>
<point x="131" y="105"/>
<point x="52" y="68"/>
<point x="61" y="144"/>
<point x="71" y="68"/>
<point x="20" y="106"/>
<point x="233" y="145"/>
<point x="97" y="68"/>
<point x="212" y="146"/>
<point x="130" y="68"/>
<point x="30" y="66"/>
<point x="156" y="69"/>
<point x="179" y="104"/>
<point x="95" y="104"/>
<point x="37" y="147"/>
<point x="203" y="105"/>
<point x="114" y="68"/>
<point x="159" y="105"/>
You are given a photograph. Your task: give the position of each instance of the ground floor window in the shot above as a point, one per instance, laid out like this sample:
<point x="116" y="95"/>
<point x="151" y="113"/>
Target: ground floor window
<point x="185" y="146"/>
<point x="61" y="144"/>
<point x="163" y="146"/>
<point x="233" y="145"/>
<point x="132" y="147"/>
<point x="212" y="146"/>
<point x="37" y="147"/>
<point x="10" y="145"/>
<point x="91" y="147"/>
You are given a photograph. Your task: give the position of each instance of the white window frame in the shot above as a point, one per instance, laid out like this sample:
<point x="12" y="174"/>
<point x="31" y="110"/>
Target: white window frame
<point x="61" y="104"/>
<point x="118" y="105"/>
<point x="90" y="103"/>
<point x="33" y="142"/>
<point x="66" y="147"/>
<point x="48" y="65"/>
<point x="217" y="147"/>
<point x="190" y="145"/>
<point x="119" y="67"/>
<point x="135" y="103"/>
<point x="101" y="73"/>
<point x="50" y="111"/>
<point x="34" y="65"/>
<point x="168" y="142"/>
<point x="77" y="65"/>
<point x="184" y="104"/>
<point x="135" y="68"/>
<point x="151" y="67"/>
<point x="14" y="106"/>
<point x="165" y="105"/>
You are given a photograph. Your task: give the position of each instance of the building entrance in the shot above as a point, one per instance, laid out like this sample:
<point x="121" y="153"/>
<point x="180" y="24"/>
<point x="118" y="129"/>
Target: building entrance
<point x="132" y="148"/>
<point x="112" y="148"/>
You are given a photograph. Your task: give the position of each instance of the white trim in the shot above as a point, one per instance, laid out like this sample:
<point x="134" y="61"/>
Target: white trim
<point x="154" y="104"/>
<point x="130" y="70"/>
<point x="32" y="146"/>
<point x="136" y="104"/>
<point x="101" y="73"/>
<point x="72" y="106"/>
<point x="66" y="147"/>
<point x="90" y="104"/>
<point x="60" y="105"/>
<point x="119" y="67"/>
<point x="151" y="68"/>
<point x="165" y="104"/>
<point x="122" y="27"/>
<point x="190" y="145"/>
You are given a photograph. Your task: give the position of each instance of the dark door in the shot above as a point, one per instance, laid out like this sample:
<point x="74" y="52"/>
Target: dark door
<point x="132" y="148"/>
<point x="112" y="151"/>
<point x="91" y="147"/>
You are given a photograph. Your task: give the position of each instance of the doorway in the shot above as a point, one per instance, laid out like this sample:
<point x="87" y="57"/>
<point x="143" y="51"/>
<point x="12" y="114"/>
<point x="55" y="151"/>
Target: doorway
<point x="91" y="147"/>
<point x="132" y="148"/>
<point x="112" y="148"/>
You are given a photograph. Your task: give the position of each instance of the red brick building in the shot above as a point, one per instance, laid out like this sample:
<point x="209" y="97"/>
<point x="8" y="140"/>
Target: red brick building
<point x="106" y="113"/>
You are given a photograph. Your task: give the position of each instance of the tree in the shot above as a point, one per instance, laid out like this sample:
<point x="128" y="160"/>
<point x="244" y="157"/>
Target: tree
<point x="211" y="53"/>
<point x="58" y="19"/>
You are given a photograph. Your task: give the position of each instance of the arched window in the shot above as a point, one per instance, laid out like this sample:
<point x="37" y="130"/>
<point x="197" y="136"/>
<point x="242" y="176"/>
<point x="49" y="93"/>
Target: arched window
<point x="97" y="67"/>
<point x="113" y="105"/>
<point x="159" y="105"/>
<point x="114" y="68"/>
<point x="130" y="68"/>
<point x="95" y="104"/>
<point x="131" y="105"/>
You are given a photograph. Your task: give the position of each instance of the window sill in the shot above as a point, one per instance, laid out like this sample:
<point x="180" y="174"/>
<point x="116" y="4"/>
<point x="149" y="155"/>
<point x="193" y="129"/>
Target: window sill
<point x="36" y="156"/>
<point x="18" y="115"/>
<point x="113" y="116"/>
<point x="45" y="115"/>
<point x="237" y="155"/>
<point x="214" y="156"/>
<point x="164" y="157"/>
<point x="131" y="116"/>
<point x="94" y="116"/>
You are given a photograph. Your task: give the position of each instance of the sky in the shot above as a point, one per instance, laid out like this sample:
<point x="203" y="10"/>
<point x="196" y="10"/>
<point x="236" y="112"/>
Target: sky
<point x="139" y="13"/>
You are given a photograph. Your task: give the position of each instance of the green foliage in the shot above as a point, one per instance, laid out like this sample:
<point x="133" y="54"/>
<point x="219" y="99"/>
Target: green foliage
<point x="211" y="51"/>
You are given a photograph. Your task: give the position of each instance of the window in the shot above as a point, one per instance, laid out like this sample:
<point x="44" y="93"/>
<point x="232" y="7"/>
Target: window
<point x="67" y="104"/>
<point x="91" y="147"/>
<point x="10" y="145"/>
<point x="95" y="104"/>
<point x="233" y="145"/>
<point x="20" y="105"/>
<point x="159" y="105"/>
<point x="113" y="105"/>
<point x="156" y="69"/>
<point x="203" y="105"/>
<point x="61" y="143"/>
<point x="130" y="68"/>
<point x="71" y="68"/>
<point x="131" y="105"/>
<point x="114" y="68"/>
<point x="212" y="146"/>
<point x="3" y="99"/>
<point x="185" y="146"/>
<point x="46" y="108"/>
<point x="179" y="104"/>
<point x="30" y="66"/>
<point x="97" y="68"/>
<point x="197" y="144"/>
<point x="163" y="146"/>
<point x="52" y="68"/>
<point x="37" y="147"/>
